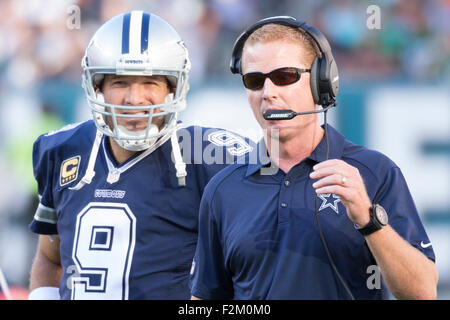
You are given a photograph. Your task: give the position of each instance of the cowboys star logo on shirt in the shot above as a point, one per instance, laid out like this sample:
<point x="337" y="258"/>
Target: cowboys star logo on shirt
<point x="329" y="200"/>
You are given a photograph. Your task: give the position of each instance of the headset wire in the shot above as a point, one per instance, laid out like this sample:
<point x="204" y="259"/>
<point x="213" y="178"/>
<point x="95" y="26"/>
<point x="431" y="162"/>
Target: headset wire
<point x="322" y="237"/>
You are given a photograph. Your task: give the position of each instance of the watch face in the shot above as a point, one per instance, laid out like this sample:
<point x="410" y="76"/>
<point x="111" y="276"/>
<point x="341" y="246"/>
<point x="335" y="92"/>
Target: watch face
<point x="381" y="215"/>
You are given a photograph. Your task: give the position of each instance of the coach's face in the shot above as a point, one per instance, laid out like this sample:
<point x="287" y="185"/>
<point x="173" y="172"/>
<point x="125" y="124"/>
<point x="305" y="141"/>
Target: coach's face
<point x="265" y="57"/>
<point x="135" y="91"/>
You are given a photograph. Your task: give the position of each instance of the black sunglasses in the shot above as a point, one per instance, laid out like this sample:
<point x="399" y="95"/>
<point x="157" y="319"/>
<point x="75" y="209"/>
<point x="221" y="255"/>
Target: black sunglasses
<point x="280" y="77"/>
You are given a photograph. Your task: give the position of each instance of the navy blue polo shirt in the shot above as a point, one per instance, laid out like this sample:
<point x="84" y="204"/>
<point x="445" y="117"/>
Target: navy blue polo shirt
<point x="258" y="238"/>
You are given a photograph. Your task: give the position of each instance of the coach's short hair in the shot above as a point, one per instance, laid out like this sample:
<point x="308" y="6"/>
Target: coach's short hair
<point x="273" y="32"/>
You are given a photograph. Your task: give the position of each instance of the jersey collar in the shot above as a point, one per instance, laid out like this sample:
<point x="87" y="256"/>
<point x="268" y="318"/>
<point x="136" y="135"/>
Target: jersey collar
<point x="336" y="147"/>
<point x="114" y="170"/>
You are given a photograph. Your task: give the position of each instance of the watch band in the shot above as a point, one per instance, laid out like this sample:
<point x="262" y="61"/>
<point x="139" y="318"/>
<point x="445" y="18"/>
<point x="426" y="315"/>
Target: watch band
<point x="373" y="225"/>
<point x="369" y="228"/>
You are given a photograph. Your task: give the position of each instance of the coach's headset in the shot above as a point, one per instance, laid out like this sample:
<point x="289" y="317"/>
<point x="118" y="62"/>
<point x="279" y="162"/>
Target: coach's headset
<point x="324" y="72"/>
<point x="324" y="83"/>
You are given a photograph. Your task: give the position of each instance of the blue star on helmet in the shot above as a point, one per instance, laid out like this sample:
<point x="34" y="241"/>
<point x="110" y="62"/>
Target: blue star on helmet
<point x="329" y="200"/>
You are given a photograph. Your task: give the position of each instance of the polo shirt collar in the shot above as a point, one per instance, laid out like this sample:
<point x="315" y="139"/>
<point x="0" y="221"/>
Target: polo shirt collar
<point x="262" y="158"/>
<point x="336" y="143"/>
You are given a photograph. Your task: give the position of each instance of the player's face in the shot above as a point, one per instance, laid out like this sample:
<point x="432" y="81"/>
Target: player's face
<point x="135" y="91"/>
<point x="265" y="57"/>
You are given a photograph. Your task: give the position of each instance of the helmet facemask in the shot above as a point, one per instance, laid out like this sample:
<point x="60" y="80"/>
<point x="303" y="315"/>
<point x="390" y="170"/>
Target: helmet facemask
<point x="166" y="56"/>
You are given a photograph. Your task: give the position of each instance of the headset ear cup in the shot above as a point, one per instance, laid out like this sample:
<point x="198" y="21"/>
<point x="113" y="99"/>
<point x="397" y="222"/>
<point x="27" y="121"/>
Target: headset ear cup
<point x="334" y="79"/>
<point x="314" y="80"/>
<point x="236" y="56"/>
<point x="328" y="81"/>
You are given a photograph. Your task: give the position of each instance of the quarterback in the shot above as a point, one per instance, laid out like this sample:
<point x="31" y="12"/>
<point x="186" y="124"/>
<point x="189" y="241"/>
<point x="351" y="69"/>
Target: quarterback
<point x="119" y="194"/>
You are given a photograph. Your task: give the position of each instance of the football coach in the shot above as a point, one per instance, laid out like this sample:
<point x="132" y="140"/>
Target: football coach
<point x="316" y="216"/>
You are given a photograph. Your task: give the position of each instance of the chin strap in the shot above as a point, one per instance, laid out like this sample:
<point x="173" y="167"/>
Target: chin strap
<point x="180" y="165"/>
<point x="90" y="173"/>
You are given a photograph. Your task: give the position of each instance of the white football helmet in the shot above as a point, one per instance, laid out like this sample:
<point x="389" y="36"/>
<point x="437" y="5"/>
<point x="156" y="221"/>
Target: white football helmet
<point x="136" y="43"/>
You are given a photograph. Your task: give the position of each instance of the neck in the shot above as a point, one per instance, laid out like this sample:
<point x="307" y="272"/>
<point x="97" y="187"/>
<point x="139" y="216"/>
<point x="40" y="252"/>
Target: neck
<point x="287" y="153"/>
<point x="120" y="154"/>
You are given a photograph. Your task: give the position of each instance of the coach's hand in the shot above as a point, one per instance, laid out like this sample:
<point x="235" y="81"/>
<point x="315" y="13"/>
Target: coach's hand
<point x="338" y="177"/>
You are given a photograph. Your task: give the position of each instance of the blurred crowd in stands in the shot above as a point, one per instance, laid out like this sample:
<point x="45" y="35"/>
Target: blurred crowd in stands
<point x="41" y="47"/>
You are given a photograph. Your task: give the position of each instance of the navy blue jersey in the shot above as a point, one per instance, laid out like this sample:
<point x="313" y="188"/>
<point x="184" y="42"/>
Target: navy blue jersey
<point x="258" y="238"/>
<point x="131" y="232"/>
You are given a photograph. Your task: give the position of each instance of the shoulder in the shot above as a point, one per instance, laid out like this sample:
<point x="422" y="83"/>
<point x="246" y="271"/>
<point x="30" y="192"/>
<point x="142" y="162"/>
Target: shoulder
<point x="57" y="157"/>
<point x="214" y="142"/>
<point x="71" y="141"/>
<point x="72" y="136"/>
<point x="218" y="136"/>
<point x="74" y="132"/>
<point x="371" y="162"/>
<point x="225" y="181"/>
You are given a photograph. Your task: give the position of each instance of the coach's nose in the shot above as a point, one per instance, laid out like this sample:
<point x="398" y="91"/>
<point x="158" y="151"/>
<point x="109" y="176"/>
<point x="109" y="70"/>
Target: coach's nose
<point x="269" y="90"/>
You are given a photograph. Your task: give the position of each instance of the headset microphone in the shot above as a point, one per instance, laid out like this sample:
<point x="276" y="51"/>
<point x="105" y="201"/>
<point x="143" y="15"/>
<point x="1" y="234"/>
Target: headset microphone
<point x="324" y="83"/>
<point x="279" y="114"/>
<point x="289" y="114"/>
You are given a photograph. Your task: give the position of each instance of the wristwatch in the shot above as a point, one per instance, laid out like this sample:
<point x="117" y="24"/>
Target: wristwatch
<point x="378" y="219"/>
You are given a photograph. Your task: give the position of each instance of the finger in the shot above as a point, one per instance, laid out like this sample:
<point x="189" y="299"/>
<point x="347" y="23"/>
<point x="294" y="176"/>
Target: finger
<point x="342" y="192"/>
<point x="327" y="171"/>
<point x="329" y="163"/>
<point x="334" y="179"/>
